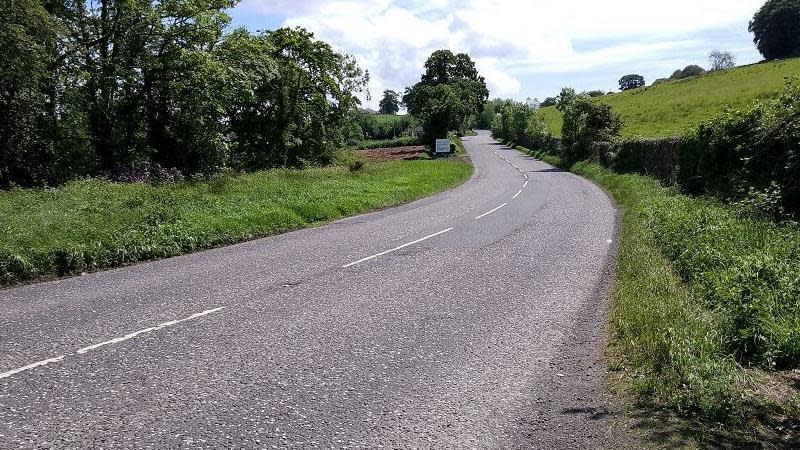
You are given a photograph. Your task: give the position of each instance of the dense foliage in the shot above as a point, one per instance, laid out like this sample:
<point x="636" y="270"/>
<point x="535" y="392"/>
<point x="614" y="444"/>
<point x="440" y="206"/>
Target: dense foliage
<point x="390" y="103"/>
<point x="110" y="86"/>
<point x="632" y="81"/>
<point x="775" y="29"/>
<point x="589" y="129"/>
<point x="377" y="127"/>
<point x="751" y="154"/>
<point x="449" y="96"/>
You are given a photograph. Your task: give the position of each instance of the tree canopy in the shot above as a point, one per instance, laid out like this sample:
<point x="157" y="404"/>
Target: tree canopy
<point x="632" y="81"/>
<point x="108" y="86"/>
<point x="390" y="103"/>
<point x="775" y="29"/>
<point x="450" y="95"/>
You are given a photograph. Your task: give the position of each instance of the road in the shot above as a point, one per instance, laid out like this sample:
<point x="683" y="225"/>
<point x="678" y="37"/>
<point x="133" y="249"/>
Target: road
<point x="474" y="318"/>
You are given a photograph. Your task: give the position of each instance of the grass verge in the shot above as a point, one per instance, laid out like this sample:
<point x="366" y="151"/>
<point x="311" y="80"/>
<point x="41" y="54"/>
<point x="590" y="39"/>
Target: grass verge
<point x="706" y="311"/>
<point x="94" y="224"/>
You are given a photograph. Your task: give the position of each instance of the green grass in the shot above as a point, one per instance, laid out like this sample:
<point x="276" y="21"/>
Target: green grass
<point x="674" y="107"/>
<point x="705" y="309"/>
<point x="388" y="118"/>
<point x="93" y="224"/>
<point x="706" y="303"/>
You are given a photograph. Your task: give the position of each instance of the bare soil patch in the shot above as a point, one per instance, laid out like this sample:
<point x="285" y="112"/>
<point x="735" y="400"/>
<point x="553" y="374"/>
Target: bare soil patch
<point x="394" y="153"/>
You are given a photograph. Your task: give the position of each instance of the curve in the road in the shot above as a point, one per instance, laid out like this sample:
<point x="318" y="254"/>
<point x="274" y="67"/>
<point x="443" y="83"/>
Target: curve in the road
<point x="472" y="318"/>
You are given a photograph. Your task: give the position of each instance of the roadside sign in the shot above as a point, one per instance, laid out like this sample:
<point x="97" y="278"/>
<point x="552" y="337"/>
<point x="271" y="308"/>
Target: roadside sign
<point x="442" y="146"/>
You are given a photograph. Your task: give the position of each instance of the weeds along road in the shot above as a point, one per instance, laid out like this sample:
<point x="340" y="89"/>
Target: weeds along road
<point x="472" y="318"/>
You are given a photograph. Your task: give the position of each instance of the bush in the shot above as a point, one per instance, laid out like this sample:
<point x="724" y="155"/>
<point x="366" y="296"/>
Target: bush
<point x="744" y="150"/>
<point x="589" y="127"/>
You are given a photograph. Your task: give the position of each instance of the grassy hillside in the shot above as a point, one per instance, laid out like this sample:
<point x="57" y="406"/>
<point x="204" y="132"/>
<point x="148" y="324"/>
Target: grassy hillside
<point x="671" y="108"/>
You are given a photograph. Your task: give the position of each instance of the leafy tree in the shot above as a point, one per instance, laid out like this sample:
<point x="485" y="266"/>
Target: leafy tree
<point x="390" y="104"/>
<point x="597" y="93"/>
<point x="589" y="127"/>
<point x="692" y="70"/>
<point x="721" y="60"/>
<point x="303" y="97"/>
<point x="775" y="29"/>
<point x="549" y="101"/>
<point x="632" y="81"/>
<point x="27" y="37"/>
<point x="106" y="86"/>
<point x="450" y="95"/>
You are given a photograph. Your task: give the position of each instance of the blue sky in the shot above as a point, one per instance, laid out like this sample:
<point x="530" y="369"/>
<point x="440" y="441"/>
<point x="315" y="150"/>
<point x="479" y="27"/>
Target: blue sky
<point x="523" y="48"/>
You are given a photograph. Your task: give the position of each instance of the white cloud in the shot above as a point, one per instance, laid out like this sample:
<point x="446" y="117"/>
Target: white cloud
<point x="510" y="39"/>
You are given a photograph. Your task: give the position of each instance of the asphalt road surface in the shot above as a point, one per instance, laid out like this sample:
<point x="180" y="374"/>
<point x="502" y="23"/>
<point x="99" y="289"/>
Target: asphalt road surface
<point x="474" y="318"/>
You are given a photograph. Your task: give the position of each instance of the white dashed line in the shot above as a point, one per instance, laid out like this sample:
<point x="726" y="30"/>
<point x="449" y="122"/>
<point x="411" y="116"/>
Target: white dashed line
<point x="494" y="210"/>
<point x="109" y="342"/>
<point x="395" y="249"/>
<point x="516" y="195"/>
<point x="31" y="366"/>
<point x="148" y="330"/>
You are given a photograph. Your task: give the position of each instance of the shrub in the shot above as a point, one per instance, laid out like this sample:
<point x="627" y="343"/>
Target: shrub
<point x="589" y="127"/>
<point x="741" y="150"/>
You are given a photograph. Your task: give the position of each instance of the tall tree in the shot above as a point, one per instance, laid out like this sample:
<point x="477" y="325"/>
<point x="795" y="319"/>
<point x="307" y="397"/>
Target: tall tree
<point x="390" y="103"/>
<point x="775" y="29"/>
<point x="28" y="38"/>
<point x="632" y="81"/>
<point x="449" y="96"/>
<point x="721" y="60"/>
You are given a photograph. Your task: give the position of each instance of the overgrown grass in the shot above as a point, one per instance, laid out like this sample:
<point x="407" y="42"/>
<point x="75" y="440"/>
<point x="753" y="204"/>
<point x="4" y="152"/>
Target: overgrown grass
<point x="701" y="293"/>
<point x="672" y="108"/>
<point x="94" y="224"/>
<point x="704" y="293"/>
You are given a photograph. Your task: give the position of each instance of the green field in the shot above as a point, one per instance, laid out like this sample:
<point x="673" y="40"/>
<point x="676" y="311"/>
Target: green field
<point x="94" y="224"/>
<point x="388" y="118"/>
<point x="672" y="108"/>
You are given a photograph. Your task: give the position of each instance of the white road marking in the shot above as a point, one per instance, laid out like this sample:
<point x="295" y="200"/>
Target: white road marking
<point x="31" y="366"/>
<point x="516" y="195"/>
<point x="525" y="185"/>
<point x="395" y="249"/>
<point x="496" y="209"/>
<point x="148" y="330"/>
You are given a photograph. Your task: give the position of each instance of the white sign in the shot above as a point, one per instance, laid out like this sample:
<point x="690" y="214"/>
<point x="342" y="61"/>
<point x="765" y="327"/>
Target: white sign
<point x="443" y="146"/>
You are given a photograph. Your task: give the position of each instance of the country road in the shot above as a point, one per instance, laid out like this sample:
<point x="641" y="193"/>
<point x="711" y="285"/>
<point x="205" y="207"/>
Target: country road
<point x="474" y="318"/>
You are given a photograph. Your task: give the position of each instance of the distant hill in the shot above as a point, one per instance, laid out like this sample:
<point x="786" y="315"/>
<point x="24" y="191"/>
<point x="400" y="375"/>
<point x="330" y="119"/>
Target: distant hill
<point x="673" y="107"/>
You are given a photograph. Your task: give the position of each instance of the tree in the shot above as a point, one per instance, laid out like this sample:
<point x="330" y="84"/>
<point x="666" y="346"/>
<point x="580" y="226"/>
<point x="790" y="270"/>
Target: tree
<point x="450" y="95"/>
<point x="721" y="60"/>
<point x="390" y="104"/>
<point x="299" y="102"/>
<point x="692" y="70"/>
<point x="27" y="37"/>
<point x="632" y="81"/>
<point x="589" y="127"/>
<point x="775" y="29"/>
<point x="549" y="101"/>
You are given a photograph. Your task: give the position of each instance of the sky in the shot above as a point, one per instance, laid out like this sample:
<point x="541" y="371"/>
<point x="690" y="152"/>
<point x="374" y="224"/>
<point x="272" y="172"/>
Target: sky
<point x="524" y="49"/>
